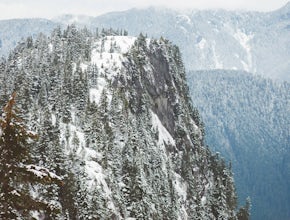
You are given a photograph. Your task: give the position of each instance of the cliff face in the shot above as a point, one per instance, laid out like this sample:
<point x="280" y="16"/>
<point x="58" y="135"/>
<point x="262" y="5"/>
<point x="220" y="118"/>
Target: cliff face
<point x="115" y="120"/>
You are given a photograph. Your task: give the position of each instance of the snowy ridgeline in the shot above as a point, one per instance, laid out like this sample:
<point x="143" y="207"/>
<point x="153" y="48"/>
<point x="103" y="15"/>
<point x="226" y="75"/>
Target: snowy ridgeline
<point x="108" y="56"/>
<point x="216" y="39"/>
<point x="115" y="122"/>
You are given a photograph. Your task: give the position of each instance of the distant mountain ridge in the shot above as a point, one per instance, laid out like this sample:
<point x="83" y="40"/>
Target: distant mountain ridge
<point x="16" y="30"/>
<point x="216" y="39"/>
<point x="251" y="41"/>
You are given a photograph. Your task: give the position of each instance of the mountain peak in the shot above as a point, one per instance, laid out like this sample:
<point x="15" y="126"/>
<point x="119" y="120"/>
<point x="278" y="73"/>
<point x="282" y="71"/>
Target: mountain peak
<point x="117" y="109"/>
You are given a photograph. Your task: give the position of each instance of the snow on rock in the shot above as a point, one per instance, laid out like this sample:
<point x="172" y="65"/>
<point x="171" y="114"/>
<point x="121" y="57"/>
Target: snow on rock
<point x="108" y="56"/>
<point x="53" y="119"/>
<point x="184" y="18"/>
<point x="216" y="58"/>
<point x="244" y="40"/>
<point x="50" y="48"/>
<point x="107" y="53"/>
<point x="203" y="200"/>
<point x="95" y="173"/>
<point x="124" y="43"/>
<point x="95" y="93"/>
<point x="35" y="215"/>
<point x="163" y="135"/>
<point x="97" y="177"/>
<point x="180" y="187"/>
<point x="90" y="154"/>
<point x="202" y="43"/>
<point x="74" y="133"/>
<point x="83" y="66"/>
<point x="73" y="114"/>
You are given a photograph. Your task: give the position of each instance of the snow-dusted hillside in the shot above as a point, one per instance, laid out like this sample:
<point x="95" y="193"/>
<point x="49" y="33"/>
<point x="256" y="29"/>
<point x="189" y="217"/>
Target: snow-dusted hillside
<point x="114" y="120"/>
<point x="247" y="120"/>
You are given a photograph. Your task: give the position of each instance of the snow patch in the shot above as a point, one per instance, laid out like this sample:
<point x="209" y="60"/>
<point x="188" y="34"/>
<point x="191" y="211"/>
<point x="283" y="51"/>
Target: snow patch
<point x="218" y="64"/>
<point x="73" y="115"/>
<point x="53" y="119"/>
<point x="74" y="67"/>
<point x="69" y="134"/>
<point x="96" y="175"/>
<point x="83" y="66"/>
<point x="35" y="215"/>
<point x="244" y="40"/>
<point x="108" y="53"/>
<point x="124" y="43"/>
<point x="90" y="154"/>
<point x="185" y="19"/>
<point x="95" y="93"/>
<point x="163" y="135"/>
<point x="203" y="201"/>
<point x="202" y="44"/>
<point x="15" y="193"/>
<point x="50" y="48"/>
<point x="180" y="187"/>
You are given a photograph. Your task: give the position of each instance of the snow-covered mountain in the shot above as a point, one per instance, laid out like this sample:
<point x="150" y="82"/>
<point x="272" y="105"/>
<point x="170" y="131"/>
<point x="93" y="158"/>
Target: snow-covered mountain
<point x="247" y="120"/>
<point x="237" y="40"/>
<point x="115" y="122"/>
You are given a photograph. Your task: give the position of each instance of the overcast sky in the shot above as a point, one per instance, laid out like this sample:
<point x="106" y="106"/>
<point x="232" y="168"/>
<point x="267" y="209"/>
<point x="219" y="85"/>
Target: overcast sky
<point x="52" y="8"/>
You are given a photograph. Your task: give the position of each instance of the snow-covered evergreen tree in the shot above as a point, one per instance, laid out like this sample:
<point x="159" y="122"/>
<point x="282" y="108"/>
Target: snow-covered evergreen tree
<point x="18" y="177"/>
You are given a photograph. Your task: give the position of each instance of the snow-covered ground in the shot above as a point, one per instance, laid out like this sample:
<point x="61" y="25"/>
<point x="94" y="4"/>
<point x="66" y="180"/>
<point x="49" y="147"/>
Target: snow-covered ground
<point x="164" y="136"/>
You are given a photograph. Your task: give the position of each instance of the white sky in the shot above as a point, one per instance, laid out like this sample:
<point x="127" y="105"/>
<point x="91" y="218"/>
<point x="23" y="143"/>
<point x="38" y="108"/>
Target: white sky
<point x="52" y="8"/>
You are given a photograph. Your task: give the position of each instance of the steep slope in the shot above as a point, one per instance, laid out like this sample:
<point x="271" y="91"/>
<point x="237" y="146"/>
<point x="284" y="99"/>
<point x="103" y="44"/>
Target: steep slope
<point x="247" y="120"/>
<point x="114" y="119"/>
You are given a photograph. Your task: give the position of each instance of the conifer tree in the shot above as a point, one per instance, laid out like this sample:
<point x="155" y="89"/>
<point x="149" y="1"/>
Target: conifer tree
<point x="16" y="174"/>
